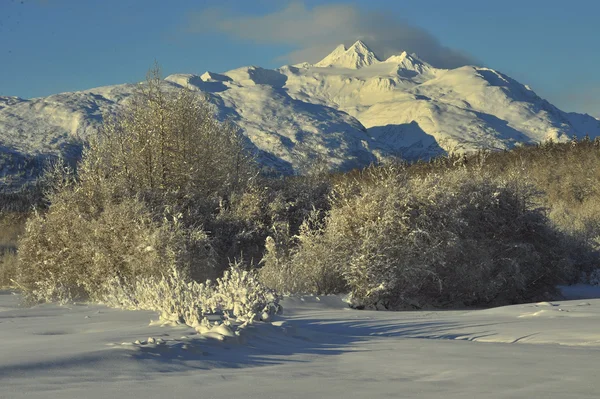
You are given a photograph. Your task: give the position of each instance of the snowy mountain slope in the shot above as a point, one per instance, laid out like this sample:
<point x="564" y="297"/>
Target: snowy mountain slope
<point x="406" y="103"/>
<point x="7" y="101"/>
<point x="351" y="108"/>
<point x="286" y="131"/>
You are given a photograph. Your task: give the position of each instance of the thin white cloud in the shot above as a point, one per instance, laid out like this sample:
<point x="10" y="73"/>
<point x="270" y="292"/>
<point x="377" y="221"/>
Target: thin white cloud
<point x="314" y="32"/>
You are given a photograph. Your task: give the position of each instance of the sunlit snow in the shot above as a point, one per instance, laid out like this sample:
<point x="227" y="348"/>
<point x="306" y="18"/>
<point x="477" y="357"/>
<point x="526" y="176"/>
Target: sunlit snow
<point x="318" y="348"/>
<point x="350" y="109"/>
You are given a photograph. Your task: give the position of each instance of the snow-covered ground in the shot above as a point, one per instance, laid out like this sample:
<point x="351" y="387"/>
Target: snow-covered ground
<point x="317" y="349"/>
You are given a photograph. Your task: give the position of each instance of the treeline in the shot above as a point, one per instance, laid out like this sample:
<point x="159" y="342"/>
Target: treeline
<point x="166" y="190"/>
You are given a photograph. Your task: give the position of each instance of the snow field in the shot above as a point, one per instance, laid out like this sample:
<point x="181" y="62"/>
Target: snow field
<point x="317" y="348"/>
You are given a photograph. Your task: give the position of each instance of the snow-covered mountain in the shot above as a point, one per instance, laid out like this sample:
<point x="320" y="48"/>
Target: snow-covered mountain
<point x="350" y="109"/>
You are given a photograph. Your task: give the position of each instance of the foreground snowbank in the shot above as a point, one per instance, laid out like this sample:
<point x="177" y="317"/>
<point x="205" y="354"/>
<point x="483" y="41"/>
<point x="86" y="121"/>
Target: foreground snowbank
<point x="317" y="348"/>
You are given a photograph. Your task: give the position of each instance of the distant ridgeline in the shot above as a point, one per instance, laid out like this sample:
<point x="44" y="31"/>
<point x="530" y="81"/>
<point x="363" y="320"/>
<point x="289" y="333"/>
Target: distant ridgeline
<point x="18" y="169"/>
<point x="349" y="110"/>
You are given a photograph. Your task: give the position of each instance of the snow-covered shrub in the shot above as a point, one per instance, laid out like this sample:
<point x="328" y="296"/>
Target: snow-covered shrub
<point x="240" y="294"/>
<point x="591" y="278"/>
<point x="8" y="267"/>
<point x="167" y="140"/>
<point x="139" y="200"/>
<point x="177" y="298"/>
<point x="12" y="225"/>
<point x="237" y="295"/>
<point x="76" y="252"/>
<point x="568" y="176"/>
<point x="450" y="238"/>
<point x="277" y="271"/>
<point x="268" y="207"/>
<point x="290" y="270"/>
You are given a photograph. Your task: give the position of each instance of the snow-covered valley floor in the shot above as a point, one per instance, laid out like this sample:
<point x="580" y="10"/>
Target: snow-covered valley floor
<point x="316" y="349"/>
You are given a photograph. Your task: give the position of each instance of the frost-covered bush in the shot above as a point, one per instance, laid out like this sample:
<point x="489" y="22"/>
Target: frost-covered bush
<point x="443" y="239"/>
<point x="8" y="267"/>
<point x="591" y="278"/>
<point x="67" y="254"/>
<point x="12" y="225"/>
<point x="92" y="232"/>
<point x="268" y="207"/>
<point x="298" y="264"/>
<point x="177" y="298"/>
<point x="165" y="175"/>
<point x="241" y="294"/>
<point x="237" y="295"/>
<point x="167" y="140"/>
<point x="139" y="200"/>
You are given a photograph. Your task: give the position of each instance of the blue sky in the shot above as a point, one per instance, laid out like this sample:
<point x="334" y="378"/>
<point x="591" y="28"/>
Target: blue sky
<point x="50" y="46"/>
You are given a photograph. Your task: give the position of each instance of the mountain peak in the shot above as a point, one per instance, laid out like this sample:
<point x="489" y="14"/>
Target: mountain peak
<point x="410" y="62"/>
<point x="355" y="57"/>
<point x="360" y="47"/>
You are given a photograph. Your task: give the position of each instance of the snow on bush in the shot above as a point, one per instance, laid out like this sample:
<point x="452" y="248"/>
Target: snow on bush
<point x="296" y="265"/>
<point x="454" y="238"/>
<point x="591" y="278"/>
<point x="139" y="199"/>
<point x="68" y="253"/>
<point x="242" y="295"/>
<point x="238" y="296"/>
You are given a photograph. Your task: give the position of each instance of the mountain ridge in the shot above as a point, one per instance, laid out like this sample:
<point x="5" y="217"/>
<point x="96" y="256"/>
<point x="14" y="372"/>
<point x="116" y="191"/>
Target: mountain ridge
<point x="349" y="109"/>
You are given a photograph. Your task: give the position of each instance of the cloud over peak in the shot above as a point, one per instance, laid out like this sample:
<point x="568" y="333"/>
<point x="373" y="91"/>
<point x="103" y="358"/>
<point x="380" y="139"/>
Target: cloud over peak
<point x="314" y="32"/>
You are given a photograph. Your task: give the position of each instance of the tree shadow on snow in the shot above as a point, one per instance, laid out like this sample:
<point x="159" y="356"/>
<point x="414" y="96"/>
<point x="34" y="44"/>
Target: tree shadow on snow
<point x="265" y="344"/>
<point x="297" y="340"/>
